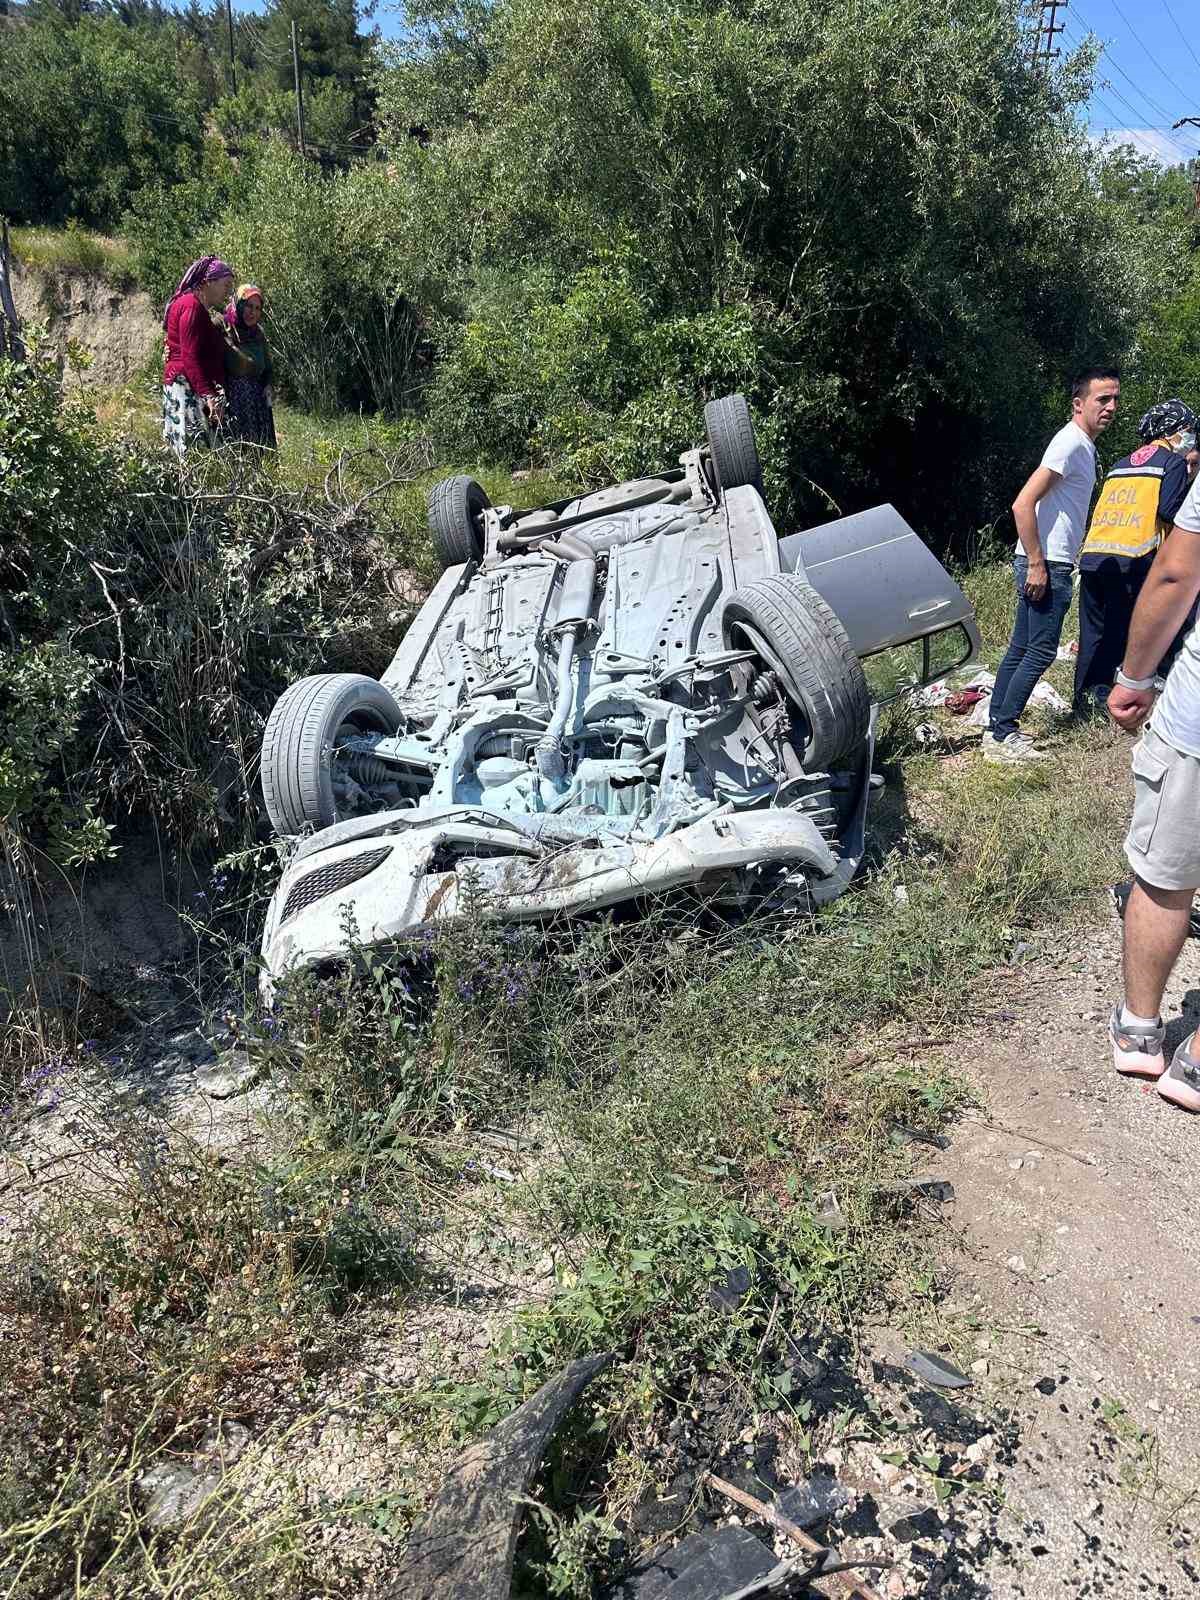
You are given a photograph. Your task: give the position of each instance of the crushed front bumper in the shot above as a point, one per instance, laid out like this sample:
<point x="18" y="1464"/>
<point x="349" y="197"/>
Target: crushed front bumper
<point x="378" y="879"/>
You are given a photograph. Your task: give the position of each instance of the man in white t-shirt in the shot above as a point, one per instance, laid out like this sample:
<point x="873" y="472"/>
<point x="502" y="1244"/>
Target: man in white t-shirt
<point x="1051" y="514"/>
<point x="1163" y="844"/>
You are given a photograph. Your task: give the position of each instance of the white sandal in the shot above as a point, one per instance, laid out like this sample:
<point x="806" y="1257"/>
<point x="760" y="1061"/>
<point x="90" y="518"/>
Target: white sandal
<point x="1137" y="1049"/>
<point x="1181" y="1085"/>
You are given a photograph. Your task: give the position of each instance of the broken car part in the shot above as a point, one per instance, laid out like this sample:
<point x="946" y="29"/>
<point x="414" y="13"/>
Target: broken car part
<point x="932" y="1369"/>
<point x="464" y="1545"/>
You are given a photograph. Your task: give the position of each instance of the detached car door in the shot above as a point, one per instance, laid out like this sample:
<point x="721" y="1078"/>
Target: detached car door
<point x="893" y="596"/>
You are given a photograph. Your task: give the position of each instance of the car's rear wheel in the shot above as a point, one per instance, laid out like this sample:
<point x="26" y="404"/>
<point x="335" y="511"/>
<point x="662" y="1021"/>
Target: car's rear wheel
<point x="798" y="637"/>
<point x="731" y="447"/>
<point x="456" y="507"/>
<point x="309" y="778"/>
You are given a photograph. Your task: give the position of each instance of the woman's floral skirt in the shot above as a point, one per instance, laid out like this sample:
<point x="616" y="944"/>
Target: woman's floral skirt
<point x="185" y="423"/>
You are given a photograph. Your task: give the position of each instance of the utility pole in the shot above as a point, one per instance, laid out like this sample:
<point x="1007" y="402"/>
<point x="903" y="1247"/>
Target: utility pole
<point x="11" y="344"/>
<point x="232" y="67"/>
<point x="299" y="90"/>
<point x="1191" y="122"/>
<point x="1048" y="27"/>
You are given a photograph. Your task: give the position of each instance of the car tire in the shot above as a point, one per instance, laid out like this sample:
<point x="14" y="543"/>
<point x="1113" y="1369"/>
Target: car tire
<point x="300" y="741"/>
<point x="456" y="507"/>
<point x="731" y="447"/>
<point x="799" y="638"/>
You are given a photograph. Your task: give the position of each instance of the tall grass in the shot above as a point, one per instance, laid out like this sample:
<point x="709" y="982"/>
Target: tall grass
<point x="74" y="250"/>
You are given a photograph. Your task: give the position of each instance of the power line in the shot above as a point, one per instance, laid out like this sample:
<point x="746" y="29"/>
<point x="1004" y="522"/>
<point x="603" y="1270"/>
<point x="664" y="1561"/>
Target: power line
<point x="1106" y="49"/>
<point x="1136" y="87"/>
<point x="1140" y="121"/>
<point x="1122" y="126"/>
<point x="1146" y="49"/>
<point x="1139" y="116"/>
<point x="1181" y="33"/>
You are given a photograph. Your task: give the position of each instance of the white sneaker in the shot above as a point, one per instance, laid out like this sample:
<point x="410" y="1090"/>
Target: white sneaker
<point x="1014" y="750"/>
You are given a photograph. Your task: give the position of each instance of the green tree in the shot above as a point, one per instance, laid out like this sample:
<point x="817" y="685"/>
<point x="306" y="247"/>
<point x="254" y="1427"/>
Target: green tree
<point x="333" y="57"/>
<point x="168" y="224"/>
<point x="343" y="276"/>
<point x="850" y="209"/>
<point x="88" y="115"/>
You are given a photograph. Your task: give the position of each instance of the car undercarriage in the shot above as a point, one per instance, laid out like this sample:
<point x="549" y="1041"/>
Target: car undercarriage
<point x="617" y="695"/>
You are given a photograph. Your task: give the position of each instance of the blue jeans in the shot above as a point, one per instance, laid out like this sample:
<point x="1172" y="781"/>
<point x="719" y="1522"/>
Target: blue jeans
<point x="1033" y="646"/>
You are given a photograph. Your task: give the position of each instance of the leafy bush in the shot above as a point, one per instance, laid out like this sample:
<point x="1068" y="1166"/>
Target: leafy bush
<point x="149" y="619"/>
<point x="168" y="222"/>
<point x="655" y="199"/>
<point x="604" y="384"/>
<point x="333" y="269"/>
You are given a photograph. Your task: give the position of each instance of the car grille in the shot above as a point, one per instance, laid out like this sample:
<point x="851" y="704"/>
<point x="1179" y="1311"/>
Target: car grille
<point x="316" y="885"/>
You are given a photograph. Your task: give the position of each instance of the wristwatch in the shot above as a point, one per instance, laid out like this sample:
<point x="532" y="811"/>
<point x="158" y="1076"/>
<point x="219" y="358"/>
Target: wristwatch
<point x="1138" y="684"/>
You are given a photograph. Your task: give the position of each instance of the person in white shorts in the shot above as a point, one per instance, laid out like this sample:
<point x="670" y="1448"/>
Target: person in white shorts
<point x="1163" y="845"/>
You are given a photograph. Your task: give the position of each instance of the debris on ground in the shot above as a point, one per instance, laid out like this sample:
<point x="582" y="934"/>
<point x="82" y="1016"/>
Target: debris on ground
<point x="465" y="1544"/>
<point x="730" y="1563"/>
<point x="827" y="1211"/>
<point x="932" y="1369"/>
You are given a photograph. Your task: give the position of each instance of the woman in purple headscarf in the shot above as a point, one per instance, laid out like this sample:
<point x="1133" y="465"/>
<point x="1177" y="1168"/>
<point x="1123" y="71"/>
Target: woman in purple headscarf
<point x="193" y="397"/>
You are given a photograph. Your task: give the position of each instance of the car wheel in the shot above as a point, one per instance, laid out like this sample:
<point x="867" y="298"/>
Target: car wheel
<point x="731" y="446"/>
<point x="306" y="779"/>
<point x="456" y="507"/>
<point x="799" y="638"/>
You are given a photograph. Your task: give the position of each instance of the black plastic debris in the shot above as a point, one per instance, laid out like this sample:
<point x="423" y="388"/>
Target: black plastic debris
<point x="931" y="1188"/>
<point x="915" y="1525"/>
<point x="902" y="1134"/>
<point x="727" y="1293"/>
<point x="704" y="1566"/>
<point x="804" y="1361"/>
<point x="464" y="1546"/>
<point x="932" y="1369"/>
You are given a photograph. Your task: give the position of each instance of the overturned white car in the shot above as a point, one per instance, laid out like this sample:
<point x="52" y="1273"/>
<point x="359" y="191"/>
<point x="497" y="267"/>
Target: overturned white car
<point x="604" y="699"/>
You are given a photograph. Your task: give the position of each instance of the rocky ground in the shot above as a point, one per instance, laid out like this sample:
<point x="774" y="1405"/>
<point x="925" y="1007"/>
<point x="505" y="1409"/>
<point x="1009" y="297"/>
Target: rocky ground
<point x="1069" y="1466"/>
<point x="1066" y="1465"/>
<point x="1076" y="1191"/>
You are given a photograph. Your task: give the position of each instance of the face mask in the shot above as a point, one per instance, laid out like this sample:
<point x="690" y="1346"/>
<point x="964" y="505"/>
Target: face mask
<point x="1182" y="443"/>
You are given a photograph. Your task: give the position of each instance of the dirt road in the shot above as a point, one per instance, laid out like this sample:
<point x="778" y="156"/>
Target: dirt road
<point x="1077" y="1201"/>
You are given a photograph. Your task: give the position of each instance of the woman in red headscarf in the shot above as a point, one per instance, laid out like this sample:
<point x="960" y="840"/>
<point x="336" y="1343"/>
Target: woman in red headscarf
<point x="250" y="416"/>
<point x="193" y="398"/>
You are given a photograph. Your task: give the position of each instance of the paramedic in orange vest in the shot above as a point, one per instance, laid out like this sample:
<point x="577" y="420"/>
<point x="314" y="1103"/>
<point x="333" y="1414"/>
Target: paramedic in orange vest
<point x="1136" y="507"/>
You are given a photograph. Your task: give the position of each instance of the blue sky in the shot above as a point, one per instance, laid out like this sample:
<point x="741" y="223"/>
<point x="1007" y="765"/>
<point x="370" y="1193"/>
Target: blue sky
<point x="1149" y="74"/>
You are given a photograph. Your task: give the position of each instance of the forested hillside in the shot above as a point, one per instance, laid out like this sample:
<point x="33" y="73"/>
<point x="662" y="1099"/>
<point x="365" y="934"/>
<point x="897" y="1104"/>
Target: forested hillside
<point x="549" y="231"/>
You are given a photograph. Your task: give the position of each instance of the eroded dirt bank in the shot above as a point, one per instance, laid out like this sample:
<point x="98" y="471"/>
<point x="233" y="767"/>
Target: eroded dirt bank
<point x="119" y="329"/>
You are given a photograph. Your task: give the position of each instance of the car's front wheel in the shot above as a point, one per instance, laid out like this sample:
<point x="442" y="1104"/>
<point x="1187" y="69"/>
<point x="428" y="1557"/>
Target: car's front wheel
<point x="799" y="638"/>
<point x="311" y="778"/>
